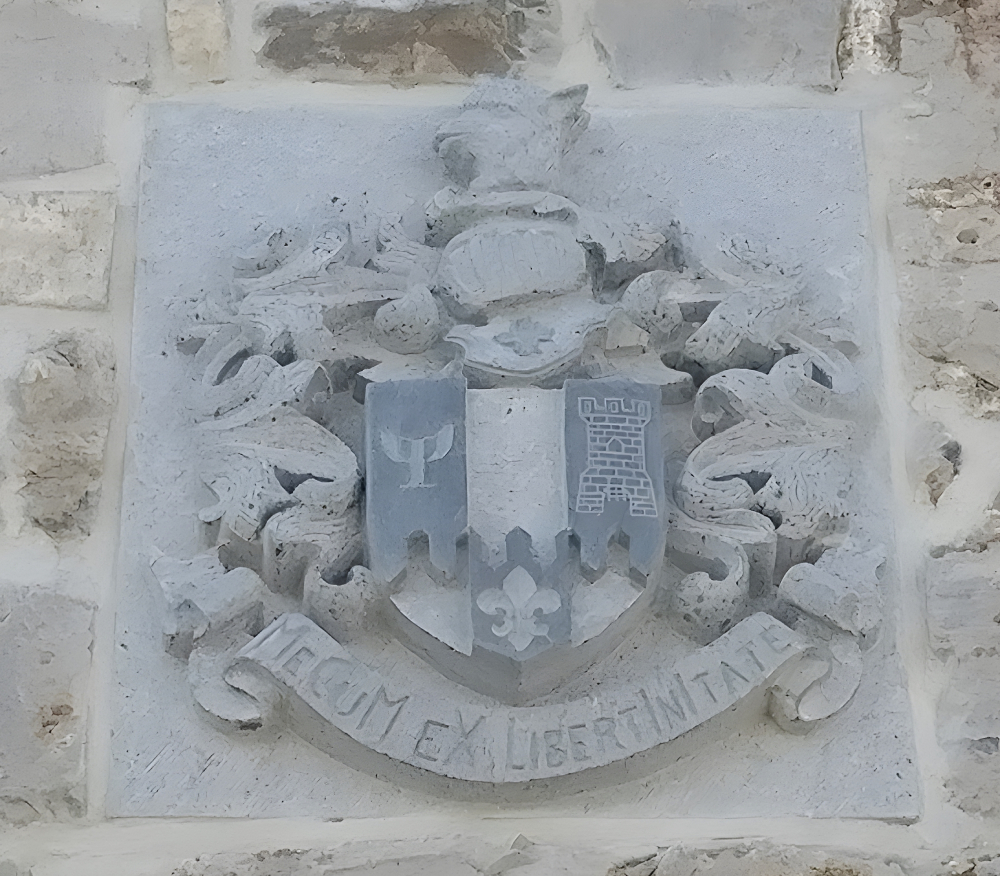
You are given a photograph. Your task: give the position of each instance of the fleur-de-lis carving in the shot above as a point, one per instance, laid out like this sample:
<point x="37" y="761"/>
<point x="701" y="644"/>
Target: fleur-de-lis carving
<point x="519" y="603"/>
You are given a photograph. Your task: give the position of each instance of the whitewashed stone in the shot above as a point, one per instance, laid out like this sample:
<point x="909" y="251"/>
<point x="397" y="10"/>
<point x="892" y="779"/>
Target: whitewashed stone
<point x="350" y="606"/>
<point x="445" y="624"/>
<point x="57" y="248"/>
<point x="198" y="32"/>
<point x="624" y="337"/>
<point x="933" y="459"/>
<point x="516" y="430"/>
<point x="203" y="596"/>
<point x="410" y="324"/>
<point x="375" y="859"/>
<point x="649" y="303"/>
<point x="759" y="858"/>
<point x="479" y="267"/>
<point x="840" y="587"/>
<point x="255" y="469"/>
<point x="721" y="42"/>
<point x="539" y="342"/>
<point x="54" y="101"/>
<point x="443" y="612"/>
<point x="597" y="604"/>
<point x="509" y="137"/>
<point x="947" y="251"/>
<point x="676" y="386"/>
<point x="65" y="395"/>
<point x="963" y="602"/>
<point x="706" y="603"/>
<point x="750" y="459"/>
<point x="505" y="744"/>
<point x="45" y="648"/>
<point x="744" y="331"/>
<point x="821" y="684"/>
<point x="465" y="856"/>
<point x="316" y="532"/>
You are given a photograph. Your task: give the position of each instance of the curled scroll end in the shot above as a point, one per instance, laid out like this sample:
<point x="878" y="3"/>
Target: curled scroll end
<point x="817" y="686"/>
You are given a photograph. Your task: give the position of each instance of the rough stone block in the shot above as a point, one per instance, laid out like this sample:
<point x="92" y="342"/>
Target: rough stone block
<point x="64" y="398"/>
<point x="981" y="33"/>
<point x="947" y="250"/>
<point x="965" y="38"/>
<point x="869" y="40"/>
<point x="54" y="99"/>
<point x="198" y="31"/>
<point x="57" y="248"/>
<point x="963" y="604"/>
<point x="760" y="858"/>
<point x="426" y="41"/>
<point x="722" y="41"/>
<point x="287" y="862"/>
<point x="933" y="459"/>
<point x="45" y="642"/>
<point x="467" y="855"/>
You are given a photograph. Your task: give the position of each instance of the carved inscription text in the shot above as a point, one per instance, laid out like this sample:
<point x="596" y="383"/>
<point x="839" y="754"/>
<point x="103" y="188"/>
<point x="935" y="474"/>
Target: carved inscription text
<point x="462" y="738"/>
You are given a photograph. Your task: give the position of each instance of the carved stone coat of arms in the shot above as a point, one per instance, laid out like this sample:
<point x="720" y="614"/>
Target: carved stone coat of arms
<point x="528" y="494"/>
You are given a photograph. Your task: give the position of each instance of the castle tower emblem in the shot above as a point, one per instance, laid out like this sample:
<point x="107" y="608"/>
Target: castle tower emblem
<point x="616" y="456"/>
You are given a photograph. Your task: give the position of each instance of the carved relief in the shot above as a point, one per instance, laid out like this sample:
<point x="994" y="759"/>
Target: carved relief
<point x="616" y="457"/>
<point x="340" y="400"/>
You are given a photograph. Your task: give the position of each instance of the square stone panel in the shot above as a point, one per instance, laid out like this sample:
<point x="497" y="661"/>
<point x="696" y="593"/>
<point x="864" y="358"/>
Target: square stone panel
<point x="749" y="189"/>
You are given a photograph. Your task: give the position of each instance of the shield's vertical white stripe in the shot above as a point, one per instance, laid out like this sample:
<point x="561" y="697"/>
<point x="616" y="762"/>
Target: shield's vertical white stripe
<point x="516" y="465"/>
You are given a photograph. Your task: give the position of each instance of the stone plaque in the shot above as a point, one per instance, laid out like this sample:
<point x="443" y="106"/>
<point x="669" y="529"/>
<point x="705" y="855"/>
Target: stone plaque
<point x="508" y="453"/>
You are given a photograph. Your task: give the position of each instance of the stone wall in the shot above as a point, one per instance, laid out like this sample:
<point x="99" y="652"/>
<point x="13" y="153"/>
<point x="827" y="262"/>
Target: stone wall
<point x="77" y="79"/>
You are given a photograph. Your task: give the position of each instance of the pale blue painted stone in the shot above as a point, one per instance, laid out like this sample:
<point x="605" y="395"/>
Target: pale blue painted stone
<point x="415" y="470"/>
<point x="614" y="468"/>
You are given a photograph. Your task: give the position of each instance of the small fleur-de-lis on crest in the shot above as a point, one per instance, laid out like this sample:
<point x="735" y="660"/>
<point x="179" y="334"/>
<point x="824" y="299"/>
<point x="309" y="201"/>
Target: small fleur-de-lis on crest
<point x="520" y="602"/>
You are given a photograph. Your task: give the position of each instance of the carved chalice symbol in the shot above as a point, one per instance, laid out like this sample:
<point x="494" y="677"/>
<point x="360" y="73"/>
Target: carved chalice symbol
<point x="417" y="452"/>
<point x="519" y="603"/>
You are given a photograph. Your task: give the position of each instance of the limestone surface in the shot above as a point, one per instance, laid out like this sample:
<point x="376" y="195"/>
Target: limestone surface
<point x="45" y="648"/>
<point x="755" y="859"/>
<point x="53" y="117"/>
<point x="65" y="393"/>
<point x="421" y="42"/>
<point x="199" y="36"/>
<point x="721" y="41"/>
<point x="963" y="603"/>
<point x="532" y="856"/>
<point x="948" y="249"/>
<point x="57" y="248"/>
<point x="410" y="324"/>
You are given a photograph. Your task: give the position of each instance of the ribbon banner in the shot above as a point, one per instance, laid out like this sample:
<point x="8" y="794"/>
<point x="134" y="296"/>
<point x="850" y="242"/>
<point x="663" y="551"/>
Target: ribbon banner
<point x="451" y="731"/>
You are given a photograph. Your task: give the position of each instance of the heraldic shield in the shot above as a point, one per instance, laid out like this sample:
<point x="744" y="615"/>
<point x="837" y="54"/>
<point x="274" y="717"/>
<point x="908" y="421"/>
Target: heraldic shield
<point x="492" y="598"/>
